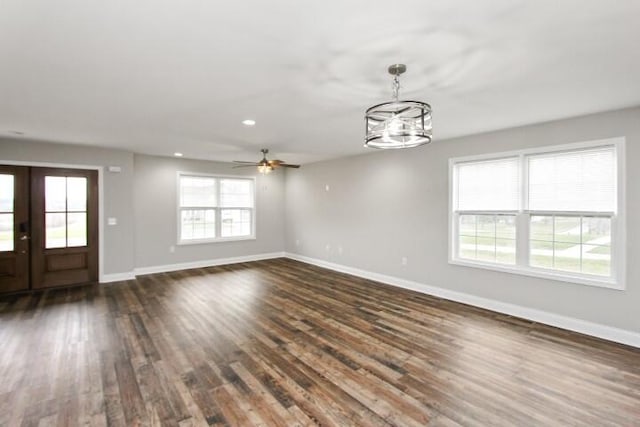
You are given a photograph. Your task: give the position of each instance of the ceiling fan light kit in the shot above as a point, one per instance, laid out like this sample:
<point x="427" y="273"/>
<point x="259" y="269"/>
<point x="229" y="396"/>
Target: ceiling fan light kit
<point x="398" y="124"/>
<point x="265" y="167"/>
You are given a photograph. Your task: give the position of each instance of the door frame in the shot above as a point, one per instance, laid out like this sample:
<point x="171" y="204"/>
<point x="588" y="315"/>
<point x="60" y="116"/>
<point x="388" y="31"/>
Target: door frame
<point x="101" y="221"/>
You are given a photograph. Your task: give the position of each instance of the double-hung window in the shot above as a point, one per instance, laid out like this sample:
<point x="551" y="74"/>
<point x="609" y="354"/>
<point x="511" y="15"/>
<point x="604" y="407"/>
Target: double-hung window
<point x="551" y="212"/>
<point x="214" y="208"/>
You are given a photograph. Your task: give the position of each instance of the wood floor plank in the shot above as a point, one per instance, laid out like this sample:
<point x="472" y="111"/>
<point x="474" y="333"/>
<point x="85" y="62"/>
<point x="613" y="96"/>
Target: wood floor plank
<point x="280" y="342"/>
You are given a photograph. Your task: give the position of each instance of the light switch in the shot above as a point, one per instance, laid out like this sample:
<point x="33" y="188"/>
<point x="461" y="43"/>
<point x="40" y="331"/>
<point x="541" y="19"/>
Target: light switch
<point x="112" y="221"/>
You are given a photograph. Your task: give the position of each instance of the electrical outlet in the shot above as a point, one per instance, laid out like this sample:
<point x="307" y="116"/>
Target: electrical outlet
<point x="327" y="247"/>
<point x="404" y="260"/>
<point x="340" y="250"/>
<point x="297" y="242"/>
<point x="326" y="187"/>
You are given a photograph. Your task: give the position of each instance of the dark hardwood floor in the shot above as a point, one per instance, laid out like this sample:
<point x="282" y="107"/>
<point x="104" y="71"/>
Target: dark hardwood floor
<point x="284" y="343"/>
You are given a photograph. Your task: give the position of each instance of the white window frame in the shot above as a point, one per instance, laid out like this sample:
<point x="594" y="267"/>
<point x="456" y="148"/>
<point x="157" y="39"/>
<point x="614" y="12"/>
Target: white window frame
<point x="217" y="209"/>
<point x="618" y="220"/>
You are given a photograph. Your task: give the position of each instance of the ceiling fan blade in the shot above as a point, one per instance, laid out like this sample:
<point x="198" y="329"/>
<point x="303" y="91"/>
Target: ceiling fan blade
<point x="286" y="165"/>
<point x="253" y="165"/>
<point x="240" y="161"/>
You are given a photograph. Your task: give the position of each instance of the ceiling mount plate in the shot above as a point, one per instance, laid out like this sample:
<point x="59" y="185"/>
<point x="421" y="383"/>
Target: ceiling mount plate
<point x="397" y="69"/>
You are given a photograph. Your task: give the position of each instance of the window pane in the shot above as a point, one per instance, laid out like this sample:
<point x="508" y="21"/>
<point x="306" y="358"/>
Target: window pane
<point x="6" y="232"/>
<point x="506" y="226"/>
<point x="467" y="247"/>
<point x="486" y="249"/>
<point x="236" y="193"/>
<point x="541" y="228"/>
<point x="506" y="251"/>
<point x="197" y="191"/>
<point x="467" y="225"/>
<point x="566" y="256"/>
<point x="197" y="224"/>
<point x="596" y="231"/>
<point x="76" y="229"/>
<point x="56" y="230"/>
<point x="55" y="189"/>
<point x="573" y="181"/>
<point x="541" y="254"/>
<point x="6" y="193"/>
<point x="235" y="222"/>
<point x="596" y="260"/>
<point x="486" y="225"/>
<point x="567" y="229"/>
<point x="488" y="185"/>
<point x="77" y="194"/>
<point x="186" y="227"/>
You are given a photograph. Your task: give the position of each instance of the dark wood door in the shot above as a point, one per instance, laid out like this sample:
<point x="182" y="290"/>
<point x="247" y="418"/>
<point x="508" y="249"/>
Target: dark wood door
<point x="64" y="219"/>
<point x="14" y="228"/>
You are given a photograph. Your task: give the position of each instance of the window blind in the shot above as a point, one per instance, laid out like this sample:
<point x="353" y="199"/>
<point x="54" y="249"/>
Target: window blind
<point x="236" y="193"/>
<point x="492" y="185"/>
<point x="581" y="181"/>
<point x="197" y="191"/>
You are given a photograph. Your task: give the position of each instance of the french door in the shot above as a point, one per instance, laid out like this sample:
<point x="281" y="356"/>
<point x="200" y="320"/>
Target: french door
<point x="48" y="227"/>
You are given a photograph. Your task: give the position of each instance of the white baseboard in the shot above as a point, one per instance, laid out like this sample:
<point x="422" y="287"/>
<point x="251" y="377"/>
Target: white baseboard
<point x="206" y="263"/>
<point x="117" y="277"/>
<point x="610" y="333"/>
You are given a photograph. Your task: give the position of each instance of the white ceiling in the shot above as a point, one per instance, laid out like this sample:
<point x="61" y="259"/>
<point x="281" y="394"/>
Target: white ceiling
<point x="158" y="76"/>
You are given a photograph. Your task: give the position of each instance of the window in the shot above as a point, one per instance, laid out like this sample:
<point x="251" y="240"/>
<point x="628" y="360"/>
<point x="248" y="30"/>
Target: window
<point x="213" y="208"/>
<point x="552" y="212"/>
<point x="487" y="199"/>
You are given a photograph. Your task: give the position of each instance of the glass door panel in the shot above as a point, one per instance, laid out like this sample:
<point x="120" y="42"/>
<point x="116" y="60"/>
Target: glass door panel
<point x="65" y="211"/>
<point x="6" y="213"/>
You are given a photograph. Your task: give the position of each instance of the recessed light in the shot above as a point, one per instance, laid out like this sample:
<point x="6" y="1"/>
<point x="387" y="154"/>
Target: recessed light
<point x="177" y="154"/>
<point x="249" y="122"/>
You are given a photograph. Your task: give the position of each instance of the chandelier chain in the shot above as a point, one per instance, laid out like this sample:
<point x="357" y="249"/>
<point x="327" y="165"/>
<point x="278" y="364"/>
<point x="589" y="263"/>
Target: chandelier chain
<point x="396" y="87"/>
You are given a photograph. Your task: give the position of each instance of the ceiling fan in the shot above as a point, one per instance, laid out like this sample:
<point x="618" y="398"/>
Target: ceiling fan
<point x="264" y="165"/>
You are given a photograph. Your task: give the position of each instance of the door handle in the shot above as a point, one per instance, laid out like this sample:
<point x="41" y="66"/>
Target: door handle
<point x="24" y="237"/>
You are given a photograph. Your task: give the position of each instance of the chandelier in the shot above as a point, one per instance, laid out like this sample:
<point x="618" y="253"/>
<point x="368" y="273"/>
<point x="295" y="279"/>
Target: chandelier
<point x="398" y="124"/>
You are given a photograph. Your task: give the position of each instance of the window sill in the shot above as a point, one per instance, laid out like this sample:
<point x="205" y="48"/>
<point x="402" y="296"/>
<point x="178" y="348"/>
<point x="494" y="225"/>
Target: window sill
<point x="219" y="240"/>
<point x="544" y="274"/>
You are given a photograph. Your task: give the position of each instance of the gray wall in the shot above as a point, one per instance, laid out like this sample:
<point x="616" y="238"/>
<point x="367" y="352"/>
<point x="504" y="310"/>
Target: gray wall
<point x="156" y="218"/>
<point x="117" y="190"/>
<point x="386" y="205"/>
